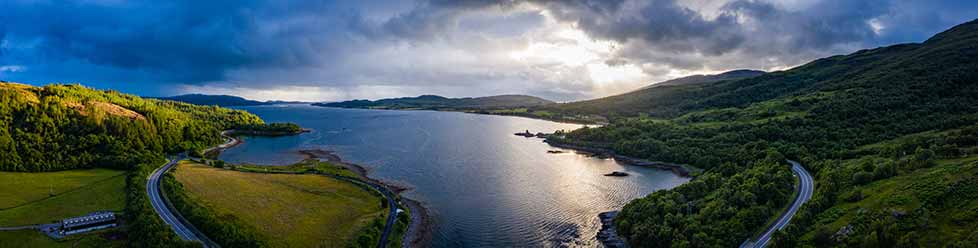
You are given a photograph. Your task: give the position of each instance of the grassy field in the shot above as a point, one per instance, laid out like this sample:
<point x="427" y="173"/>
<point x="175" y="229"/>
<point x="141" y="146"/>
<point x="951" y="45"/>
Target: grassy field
<point x="291" y="210"/>
<point x="308" y="165"/>
<point x="31" y="238"/>
<point x="33" y="198"/>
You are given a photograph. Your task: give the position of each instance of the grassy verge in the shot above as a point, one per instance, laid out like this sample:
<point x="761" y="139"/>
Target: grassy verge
<point x="35" y="198"/>
<point x="400" y="228"/>
<point x="285" y="209"/>
<point x="32" y="238"/>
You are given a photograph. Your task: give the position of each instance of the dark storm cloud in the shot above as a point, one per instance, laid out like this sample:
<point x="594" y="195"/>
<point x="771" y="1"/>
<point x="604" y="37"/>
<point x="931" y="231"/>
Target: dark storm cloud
<point x="180" y="41"/>
<point x="751" y="27"/>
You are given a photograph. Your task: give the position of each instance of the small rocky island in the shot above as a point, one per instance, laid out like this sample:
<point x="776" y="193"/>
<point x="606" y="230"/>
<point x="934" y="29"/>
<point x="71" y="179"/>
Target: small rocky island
<point x="616" y="174"/>
<point x="524" y="134"/>
<point x="528" y="134"/>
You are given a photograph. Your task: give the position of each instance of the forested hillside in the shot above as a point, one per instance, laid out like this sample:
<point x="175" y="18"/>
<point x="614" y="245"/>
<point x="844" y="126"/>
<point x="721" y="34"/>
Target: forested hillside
<point x="820" y="114"/>
<point x="644" y="100"/>
<point x="59" y="127"/>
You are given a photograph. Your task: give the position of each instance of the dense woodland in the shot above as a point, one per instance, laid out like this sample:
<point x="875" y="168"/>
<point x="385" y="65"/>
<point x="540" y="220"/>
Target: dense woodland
<point x="60" y="127"/>
<point x="820" y="114"/>
<point x="272" y="129"/>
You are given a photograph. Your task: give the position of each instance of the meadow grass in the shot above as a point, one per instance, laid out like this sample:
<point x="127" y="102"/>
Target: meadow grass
<point x="290" y="210"/>
<point x="308" y="165"/>
<point x="32" y="238"/>
<point x="35" y="198"/>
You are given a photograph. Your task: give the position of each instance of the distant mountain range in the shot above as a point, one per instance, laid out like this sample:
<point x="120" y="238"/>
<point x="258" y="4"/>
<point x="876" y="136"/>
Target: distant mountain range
<point x="221" y="100"/>
<point x="433" y="102"/>
<point x="589" y="111"/>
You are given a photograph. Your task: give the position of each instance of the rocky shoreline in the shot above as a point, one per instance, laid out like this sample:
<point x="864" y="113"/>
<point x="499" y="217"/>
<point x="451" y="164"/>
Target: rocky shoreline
<point x="679" y="169"/>
<point x="214" y="152"/>
<point x="420" y="229"/>
<point x="419" y="232"/>
<point x="608" y="235"/>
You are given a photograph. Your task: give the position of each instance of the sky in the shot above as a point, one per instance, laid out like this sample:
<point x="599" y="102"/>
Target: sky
<point x="340" y="50"/>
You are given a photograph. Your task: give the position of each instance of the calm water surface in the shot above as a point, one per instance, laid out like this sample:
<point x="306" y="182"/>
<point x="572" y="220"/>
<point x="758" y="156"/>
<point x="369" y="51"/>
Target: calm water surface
<point x="483" y="185"/>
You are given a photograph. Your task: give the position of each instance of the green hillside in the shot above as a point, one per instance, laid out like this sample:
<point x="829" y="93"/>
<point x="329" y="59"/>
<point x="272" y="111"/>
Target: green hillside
<point x="59" y="127"/>
<point x="820" y="113"/>
<point x="646" y="100"/>
<point x="928" y="197"/>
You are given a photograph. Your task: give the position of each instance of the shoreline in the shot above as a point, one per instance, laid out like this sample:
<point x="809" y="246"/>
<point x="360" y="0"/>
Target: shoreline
<point x="608" y="234"/>
<point x="679" y="169"/>
<point x="234" y="141"/>
<point x="419" y="231"/>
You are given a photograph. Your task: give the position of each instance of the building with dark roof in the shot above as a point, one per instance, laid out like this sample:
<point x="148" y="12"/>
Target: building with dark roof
<point x="90" y="222"/>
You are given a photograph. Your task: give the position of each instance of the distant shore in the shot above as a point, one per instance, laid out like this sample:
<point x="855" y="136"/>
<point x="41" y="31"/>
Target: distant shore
<point x="420" y="229"/>
<point x="233" y="132"/>
<point x="482" y="112"/>
<point x="679" y="169"/>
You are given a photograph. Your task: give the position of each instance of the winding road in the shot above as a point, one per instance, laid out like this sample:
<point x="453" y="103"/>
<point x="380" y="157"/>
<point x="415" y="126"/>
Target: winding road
<point x="391" y="205"/>
<point x="391" y="216"/>
<point x="184" y="230"/>
<point x="805" y="190"/>
<point x="156" y="198"/>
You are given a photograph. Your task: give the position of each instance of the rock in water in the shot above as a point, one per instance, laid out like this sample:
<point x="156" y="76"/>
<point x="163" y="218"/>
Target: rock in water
<point x="617" y="174"/>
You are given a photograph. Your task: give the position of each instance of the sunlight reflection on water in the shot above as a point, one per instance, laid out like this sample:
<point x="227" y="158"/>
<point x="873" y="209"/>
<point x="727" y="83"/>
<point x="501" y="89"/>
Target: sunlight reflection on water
<point x="483" y="185"/>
